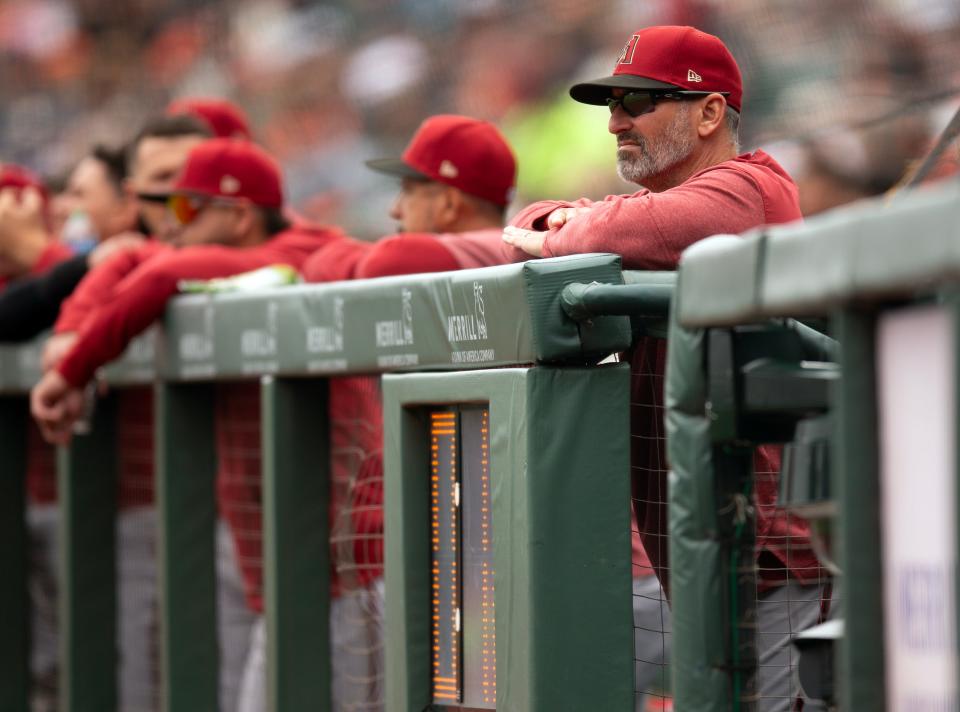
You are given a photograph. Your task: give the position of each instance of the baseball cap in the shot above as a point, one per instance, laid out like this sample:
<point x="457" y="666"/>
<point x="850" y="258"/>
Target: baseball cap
<point x="224" y="118"/>
<point x="231" y="168"/>
<point x="18" y="177"/>
<point x="669" y="57"/>
<point x="466" y="153"/>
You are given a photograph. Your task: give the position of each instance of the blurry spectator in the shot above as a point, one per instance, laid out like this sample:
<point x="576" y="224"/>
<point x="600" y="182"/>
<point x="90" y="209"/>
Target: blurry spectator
<point x="842" y="166"/>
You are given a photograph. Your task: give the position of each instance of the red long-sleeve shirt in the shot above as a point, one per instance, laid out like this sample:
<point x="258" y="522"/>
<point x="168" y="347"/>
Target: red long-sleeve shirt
<point x="96" y="288"/>
<point x="650" y="231"/>
<point x="141" y="297"/>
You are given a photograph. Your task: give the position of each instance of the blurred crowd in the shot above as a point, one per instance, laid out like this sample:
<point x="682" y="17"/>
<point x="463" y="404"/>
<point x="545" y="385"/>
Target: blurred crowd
<point x="844" y="92"/>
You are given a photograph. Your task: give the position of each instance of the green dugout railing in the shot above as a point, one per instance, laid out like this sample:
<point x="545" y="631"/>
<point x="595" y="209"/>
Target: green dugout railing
<point x="874" y="463"/>
<point x="492" y="350"/>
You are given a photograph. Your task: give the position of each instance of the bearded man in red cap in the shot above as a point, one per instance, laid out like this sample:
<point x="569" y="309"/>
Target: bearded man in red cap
<point x="674" y="98"/>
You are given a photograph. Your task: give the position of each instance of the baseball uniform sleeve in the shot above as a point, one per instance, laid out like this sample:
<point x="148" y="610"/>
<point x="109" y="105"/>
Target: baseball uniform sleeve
<point x="96" y="288"/>
<point x="141" y="297"/>
<point x="651" y="230"/>
<point x="411" y="253"/>
<point x="336" y="261"/>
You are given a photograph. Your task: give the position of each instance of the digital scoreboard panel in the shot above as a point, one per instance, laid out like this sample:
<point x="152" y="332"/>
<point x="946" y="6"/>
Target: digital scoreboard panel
<point x="463" y="618"/>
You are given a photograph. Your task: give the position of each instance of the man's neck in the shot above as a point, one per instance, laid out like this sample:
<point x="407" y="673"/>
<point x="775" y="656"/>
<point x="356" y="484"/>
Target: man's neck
<point x="252" y="239"/>
<point x="473" y="222"/>
<point x="698" y="161"/>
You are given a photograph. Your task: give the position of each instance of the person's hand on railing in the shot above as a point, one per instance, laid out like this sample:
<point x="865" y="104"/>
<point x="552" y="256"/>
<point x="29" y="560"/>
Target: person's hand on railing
<point x="56" y="406"/>
<point x="531" y="241"/>
<point x="56" y="347"/>
<point x="561" y="216"/>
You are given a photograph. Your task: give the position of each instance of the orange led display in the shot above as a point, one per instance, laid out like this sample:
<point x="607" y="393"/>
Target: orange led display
<point x="463" y="616"/>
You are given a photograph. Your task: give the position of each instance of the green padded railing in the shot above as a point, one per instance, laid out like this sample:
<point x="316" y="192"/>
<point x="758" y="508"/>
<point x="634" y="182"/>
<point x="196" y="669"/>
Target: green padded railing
<point x="292" y="339"/>
<point x="851" y="267"/>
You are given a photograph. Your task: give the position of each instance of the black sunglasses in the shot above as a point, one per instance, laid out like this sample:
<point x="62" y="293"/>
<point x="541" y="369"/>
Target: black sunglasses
<point x="638" y="103"/>
<point x="153" y="197"/>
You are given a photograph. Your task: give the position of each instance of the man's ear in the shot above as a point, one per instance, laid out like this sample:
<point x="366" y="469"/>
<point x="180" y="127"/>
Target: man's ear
<point x="450" y="209"/>
<point x="247" y="219"/>
<point x="712" y="112"/>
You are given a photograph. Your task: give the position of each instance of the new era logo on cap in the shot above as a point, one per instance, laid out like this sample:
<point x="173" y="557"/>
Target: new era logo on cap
<point x="448" y="170"/>
<point x="229" y="185"/>
<point x="692" y="76"/>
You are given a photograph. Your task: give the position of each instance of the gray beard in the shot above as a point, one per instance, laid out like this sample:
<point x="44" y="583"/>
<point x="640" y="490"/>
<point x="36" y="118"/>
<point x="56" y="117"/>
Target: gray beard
<point x="638" y="163"/>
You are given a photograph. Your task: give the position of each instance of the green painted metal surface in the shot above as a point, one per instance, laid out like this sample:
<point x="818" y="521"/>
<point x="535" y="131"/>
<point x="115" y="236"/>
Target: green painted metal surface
<point x="871" y="250"/>
<point x="296" y="493"/>
<point x="14" y="621"/>
<point x="185" y="468"/>
<point x="856" y="482"/>
<point x="86" y="489"/>
<point x="481" y="318"/>
<point x="560" y="514"/>
<point x="700" y="682"/>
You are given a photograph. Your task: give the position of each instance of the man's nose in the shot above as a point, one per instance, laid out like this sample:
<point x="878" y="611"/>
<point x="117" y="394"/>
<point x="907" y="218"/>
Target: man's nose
<point x="619" y="121"/>
<point x="395" y="212"/>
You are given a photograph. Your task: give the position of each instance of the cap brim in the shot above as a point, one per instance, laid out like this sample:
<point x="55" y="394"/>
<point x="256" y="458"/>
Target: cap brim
<point x="395" y="167"/>
<point x="599" y="90"/>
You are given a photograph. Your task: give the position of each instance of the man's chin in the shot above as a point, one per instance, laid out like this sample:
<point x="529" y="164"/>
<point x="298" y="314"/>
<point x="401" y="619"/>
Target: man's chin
<point x="629" y="171"/>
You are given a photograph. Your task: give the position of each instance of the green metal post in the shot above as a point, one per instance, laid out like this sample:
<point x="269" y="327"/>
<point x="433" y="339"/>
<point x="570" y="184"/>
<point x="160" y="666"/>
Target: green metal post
<point x="185" y="471"/>
<point x="857" y="484"/>
<point x="14" y="621"/>
<point x="296" y="491"/>
<point x="87" y="492"/>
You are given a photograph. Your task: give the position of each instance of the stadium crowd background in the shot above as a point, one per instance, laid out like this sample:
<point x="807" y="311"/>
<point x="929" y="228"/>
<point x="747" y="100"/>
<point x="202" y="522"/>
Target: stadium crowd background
<point x="843" y="92"/>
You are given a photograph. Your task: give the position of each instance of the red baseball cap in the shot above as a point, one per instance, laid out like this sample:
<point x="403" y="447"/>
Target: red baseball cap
<point x="14" y="176"/>
<point x="466" y="153"/>
<point x="231" y="168"/>
<point x="224" y="118"/>
<point x="669" y="57"/>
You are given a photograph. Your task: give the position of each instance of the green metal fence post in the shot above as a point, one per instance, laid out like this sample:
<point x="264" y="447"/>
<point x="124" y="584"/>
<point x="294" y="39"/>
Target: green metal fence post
<point x="14" y="622"/>
<point x="296" y="491"/>
<point x="86" y="491"/>
<point x="185" y="472"/>
<point x="857" y="484"/>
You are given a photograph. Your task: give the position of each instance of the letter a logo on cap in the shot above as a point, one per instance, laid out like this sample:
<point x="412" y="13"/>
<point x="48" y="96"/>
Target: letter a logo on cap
<point x="626" y="54"/>
<point x="692" y="76"/>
